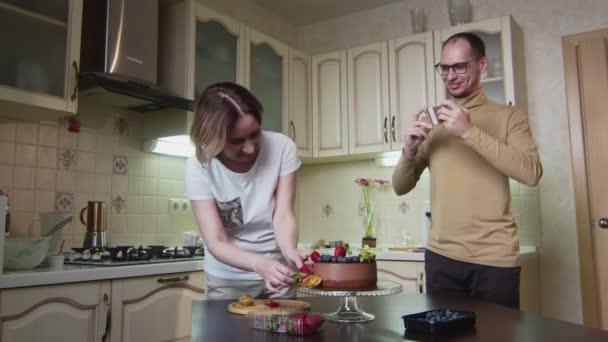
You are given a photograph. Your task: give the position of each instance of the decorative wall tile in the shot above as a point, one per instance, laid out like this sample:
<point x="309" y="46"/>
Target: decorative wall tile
<point x="121" y="126"/>
<point x="67" y="159"/>
<point x="120" y="165"/>
<point x="119" y="204"/>
<point x="64" y="201"/>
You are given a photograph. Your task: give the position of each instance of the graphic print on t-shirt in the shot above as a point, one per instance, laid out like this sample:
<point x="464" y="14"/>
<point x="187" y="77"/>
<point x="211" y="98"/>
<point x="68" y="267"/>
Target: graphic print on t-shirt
<point x="231" y="213"/>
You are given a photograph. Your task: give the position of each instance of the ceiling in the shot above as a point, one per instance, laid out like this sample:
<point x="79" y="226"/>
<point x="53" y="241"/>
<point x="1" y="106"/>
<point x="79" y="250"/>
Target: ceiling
<point x="304" y="12"/>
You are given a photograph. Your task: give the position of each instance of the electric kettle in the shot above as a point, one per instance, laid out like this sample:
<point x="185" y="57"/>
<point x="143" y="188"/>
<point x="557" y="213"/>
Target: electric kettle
<point x="96" y="223"/>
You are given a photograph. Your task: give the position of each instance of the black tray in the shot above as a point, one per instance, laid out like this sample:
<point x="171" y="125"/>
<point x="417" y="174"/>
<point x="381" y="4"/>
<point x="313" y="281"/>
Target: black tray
<point x="418" y="322"/>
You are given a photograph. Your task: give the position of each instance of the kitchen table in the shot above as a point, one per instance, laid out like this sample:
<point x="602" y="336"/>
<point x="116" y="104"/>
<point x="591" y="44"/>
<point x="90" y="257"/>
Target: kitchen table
<point x="212" y="322"/>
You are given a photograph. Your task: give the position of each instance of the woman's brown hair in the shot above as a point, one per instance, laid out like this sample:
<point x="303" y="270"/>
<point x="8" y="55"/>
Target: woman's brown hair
<point x="217" y="110"/>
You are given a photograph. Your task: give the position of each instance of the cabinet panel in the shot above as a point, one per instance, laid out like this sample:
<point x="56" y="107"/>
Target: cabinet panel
<point x="300" y="113"/>
<point x="504" y="81"/>
<point x="38" y="66"/>
<point x="368" y="98"/>
<point x="54" y="313"/>
<point x="407" y="273"/>
<point x="155" y="308"/>
<point x="330" y="121"/>
<point x="412" y="83"/>
<point x="219" y="52"/>
<point x="266" y="75"/>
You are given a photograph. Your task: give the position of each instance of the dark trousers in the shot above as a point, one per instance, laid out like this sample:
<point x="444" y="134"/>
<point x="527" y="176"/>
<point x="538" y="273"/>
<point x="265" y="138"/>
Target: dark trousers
<point x="498" y="285"/>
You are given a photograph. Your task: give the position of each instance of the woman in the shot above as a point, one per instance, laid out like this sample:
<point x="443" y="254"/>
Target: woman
<point x="242" y="186"/>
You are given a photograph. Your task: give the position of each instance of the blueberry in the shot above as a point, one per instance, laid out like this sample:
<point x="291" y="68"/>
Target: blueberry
<point x="354" y="258"/>
<point x="342" y="260"/>
<point x="334" y="259"/>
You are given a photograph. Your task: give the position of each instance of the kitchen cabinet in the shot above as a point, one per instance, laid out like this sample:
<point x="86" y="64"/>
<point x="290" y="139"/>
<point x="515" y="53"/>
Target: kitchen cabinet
<point x="368" y="105"/>
<point x="412" y="81"/>
<point x="267" y="75"/>
<point x="154" y="308"/>
<point x="300" y="102"/>
<point x="40" y="58"/>
<point x="505" y="81"/>
<point x="219" y="49"/>
<point x="410" y="274"/>
<point x="72" y="312"/>
<point x="329" y="104"/>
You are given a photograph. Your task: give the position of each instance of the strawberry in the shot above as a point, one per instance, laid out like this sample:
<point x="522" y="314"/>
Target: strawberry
<point x="340" y="251"/>
<point x="314" y="256"/>
<point x="305" y="269"/>
<point x="312" y="323"/>
<point x="271" y="303"/>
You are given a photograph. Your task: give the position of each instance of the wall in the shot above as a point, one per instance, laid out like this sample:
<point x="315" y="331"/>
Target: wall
<point x="546" y="104"/>
<point x="44" y="167"/>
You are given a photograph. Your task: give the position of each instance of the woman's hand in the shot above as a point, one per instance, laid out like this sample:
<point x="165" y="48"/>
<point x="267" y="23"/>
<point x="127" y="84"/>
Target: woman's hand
<point x="298" y="258"/>
<point x="276" y="275"/>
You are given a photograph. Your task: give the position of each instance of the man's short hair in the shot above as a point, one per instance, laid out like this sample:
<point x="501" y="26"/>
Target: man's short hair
<point x="478" y="48"/>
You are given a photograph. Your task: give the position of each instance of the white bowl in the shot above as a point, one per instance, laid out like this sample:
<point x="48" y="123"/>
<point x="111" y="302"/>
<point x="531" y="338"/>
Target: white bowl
<point x="24" y="253"/>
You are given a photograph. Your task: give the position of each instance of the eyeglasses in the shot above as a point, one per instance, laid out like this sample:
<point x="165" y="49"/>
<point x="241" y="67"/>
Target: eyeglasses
<point x="459" y="68"/>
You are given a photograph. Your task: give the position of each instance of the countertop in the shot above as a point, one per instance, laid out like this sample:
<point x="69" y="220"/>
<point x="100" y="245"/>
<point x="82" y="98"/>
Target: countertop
<point x="385" y="252"/>
<point x="79" y="273"/>
<point x="212" y="322"/>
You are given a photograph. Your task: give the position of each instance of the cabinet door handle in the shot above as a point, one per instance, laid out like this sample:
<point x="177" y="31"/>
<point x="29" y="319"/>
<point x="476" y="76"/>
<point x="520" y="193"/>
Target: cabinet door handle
<point x="420" y="284"/>
<point x="75" y="91"/>
<point x="293" y="128"/>
<point x="173" y="280"/>
<point x="386" y="130"/>
<point x="510" y="103"/>
<point x="393" y="129"/>
<point x="106" y="301"/>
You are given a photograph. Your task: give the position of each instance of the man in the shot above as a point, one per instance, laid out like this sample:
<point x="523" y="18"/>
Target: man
<point x="473" y="246"/>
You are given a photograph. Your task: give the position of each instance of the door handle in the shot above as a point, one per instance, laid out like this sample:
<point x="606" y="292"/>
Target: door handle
<point x="75" y="91"/>
<point x="293" y="127"/>
<point x="393" y="129"/>
<point x="603" y="222"/>
<point x="172" y="280"/>
<point x="106" y="301"/>
<point x="386" y="130"/>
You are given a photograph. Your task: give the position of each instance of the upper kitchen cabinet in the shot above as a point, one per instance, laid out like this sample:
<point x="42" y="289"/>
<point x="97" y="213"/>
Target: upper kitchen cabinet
<point x="219" y="49"/>
<point x="368" y="98"/>
<point x="300" y="101"/>
<point x="40" y="58"/>
<point x="505" y="81"/>
<point x="412" y="81"/>
<point x="329" y="105"/>
<point x="266" y="75"/>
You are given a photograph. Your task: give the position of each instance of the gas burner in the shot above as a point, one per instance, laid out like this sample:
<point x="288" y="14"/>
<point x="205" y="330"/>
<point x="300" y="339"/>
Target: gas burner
<point x="131" y="255"/>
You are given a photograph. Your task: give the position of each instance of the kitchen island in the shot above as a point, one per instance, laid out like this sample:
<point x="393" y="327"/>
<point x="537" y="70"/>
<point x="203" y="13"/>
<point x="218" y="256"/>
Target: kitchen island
<point x="212" y="322"/>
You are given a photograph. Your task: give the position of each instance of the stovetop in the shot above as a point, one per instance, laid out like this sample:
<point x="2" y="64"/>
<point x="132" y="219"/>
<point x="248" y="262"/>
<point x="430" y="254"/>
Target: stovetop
<point x="110" y="262"/>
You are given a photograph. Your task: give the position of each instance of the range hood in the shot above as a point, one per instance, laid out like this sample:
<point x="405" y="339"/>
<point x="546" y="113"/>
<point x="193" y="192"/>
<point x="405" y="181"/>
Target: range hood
<point x="119" y="61"/>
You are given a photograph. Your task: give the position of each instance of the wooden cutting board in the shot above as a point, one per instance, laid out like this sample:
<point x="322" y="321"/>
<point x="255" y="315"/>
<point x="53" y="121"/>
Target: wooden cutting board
<point x="258" y="304"/>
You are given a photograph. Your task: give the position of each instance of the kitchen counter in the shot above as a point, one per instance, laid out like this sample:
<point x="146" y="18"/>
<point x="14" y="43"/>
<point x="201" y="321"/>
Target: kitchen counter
<point x="384" y="252"/>
<point x="79" y="273"/>
<point x="212" y="322"/>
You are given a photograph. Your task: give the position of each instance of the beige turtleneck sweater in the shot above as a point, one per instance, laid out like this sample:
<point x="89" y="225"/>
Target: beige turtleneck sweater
<point x="470" y="195"/>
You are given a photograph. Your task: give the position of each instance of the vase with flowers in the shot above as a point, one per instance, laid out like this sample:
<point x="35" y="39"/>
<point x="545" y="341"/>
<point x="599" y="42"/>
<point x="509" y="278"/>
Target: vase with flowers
<point x="367" y="185"/>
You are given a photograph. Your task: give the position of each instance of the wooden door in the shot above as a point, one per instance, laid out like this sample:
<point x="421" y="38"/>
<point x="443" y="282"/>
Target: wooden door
<point x="412" y="82"/>
<point x="300" y="113"/>
<point x="156" y="308"/>
<point x="586" y="73"/>
<point x="329" y="112"/>
<point x="368" y="113"/>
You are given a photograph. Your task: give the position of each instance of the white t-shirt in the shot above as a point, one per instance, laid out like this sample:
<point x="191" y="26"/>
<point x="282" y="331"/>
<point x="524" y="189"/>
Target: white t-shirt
<point x="245" y="201"/>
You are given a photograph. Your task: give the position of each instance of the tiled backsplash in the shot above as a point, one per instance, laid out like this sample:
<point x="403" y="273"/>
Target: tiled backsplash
<point x="330" y="199"/>
<point x="44" y="167"/>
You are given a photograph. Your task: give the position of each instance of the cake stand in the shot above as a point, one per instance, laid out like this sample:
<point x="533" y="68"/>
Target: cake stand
<point x="349" y="311"/>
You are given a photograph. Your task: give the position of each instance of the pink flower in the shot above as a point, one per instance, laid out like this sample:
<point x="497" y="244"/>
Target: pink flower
<point x="382" y="181"/>
<point x="363" y="181"/>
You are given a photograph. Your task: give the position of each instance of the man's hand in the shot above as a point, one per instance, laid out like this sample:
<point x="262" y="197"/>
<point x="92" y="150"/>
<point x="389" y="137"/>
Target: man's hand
<point x="414" y="135"/>
<point x="455" y="118"/>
